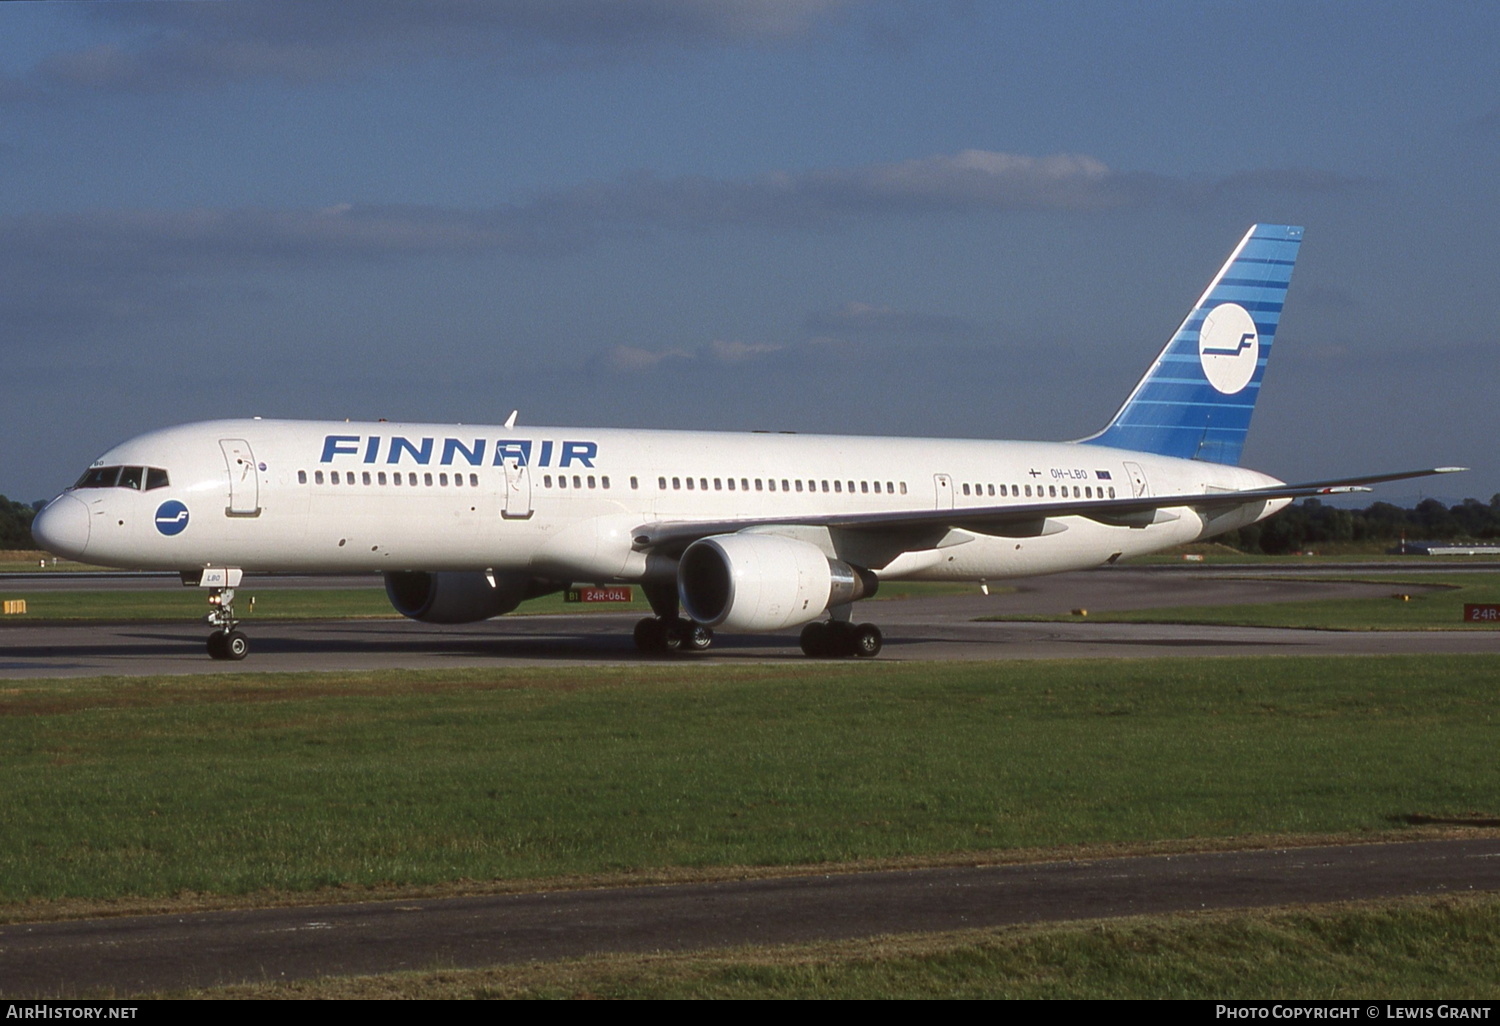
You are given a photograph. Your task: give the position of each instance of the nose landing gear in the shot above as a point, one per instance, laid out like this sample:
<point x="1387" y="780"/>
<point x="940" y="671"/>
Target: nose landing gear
<point x="226" y="642"/>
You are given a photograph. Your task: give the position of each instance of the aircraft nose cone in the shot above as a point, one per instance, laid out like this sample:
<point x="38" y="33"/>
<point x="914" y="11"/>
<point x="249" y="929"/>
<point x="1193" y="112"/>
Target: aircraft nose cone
<point x="62" y="527"/>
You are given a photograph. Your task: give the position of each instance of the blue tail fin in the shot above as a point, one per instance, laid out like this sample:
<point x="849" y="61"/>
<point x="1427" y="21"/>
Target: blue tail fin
<point x="1196" y="400"/>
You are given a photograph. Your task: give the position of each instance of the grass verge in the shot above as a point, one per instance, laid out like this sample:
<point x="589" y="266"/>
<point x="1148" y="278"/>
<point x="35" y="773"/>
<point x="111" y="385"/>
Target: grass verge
<point x="177" y="603"/>
<point x="1435" y="948"/>
<point x="266" y="601"/>
<point x="259" y="786"/>
<point x="1440" y="607"/>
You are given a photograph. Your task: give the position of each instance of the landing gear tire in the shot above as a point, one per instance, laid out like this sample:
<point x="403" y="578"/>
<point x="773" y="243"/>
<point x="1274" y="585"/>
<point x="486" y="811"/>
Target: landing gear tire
<point x="226" y="642"/>
<point x="651" y="636"/>
<point x="228" y="645"/>
<point x="815" y="640"/>
<point x="835" y="639"/>
<point x="696" y="637"/>
<point x="645" y="634"/>
<point x="657" y="636"/>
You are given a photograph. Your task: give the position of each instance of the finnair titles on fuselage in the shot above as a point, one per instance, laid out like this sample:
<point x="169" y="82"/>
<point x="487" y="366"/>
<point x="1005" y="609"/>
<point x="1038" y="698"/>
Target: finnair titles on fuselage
<point x="731" y="532"/>
<point x="396" y="449"/>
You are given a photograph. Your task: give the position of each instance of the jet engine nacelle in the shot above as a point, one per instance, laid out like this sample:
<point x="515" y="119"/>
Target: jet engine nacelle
<point x="764" y="582"/>
<point x="452" y="596"/>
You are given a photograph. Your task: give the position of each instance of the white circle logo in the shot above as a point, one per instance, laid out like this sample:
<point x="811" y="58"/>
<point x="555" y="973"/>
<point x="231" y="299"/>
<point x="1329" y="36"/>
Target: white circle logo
<point x="1228" y="347"/>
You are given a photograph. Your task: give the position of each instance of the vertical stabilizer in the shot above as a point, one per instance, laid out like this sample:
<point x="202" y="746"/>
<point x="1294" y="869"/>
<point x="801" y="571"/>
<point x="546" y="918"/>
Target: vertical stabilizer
<point x="1196" y="400"/>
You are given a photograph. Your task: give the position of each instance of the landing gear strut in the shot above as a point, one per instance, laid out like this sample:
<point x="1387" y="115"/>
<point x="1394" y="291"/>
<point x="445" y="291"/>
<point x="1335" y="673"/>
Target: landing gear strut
<point x="660" y="634"/>
<point x="226" y="642"/>
<point x="837" y="639"/>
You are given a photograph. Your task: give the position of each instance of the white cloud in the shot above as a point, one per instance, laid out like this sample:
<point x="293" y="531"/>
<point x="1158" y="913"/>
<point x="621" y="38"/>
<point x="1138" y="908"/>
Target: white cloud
<point x="631" y="359"/>
<point x="870" y="319"/>
<point x="719" y="352"/>
<point x="724" y="351"/>
<point x="985" y="178"/>
<point x="175" y="46"/>
<point x="82" y="262"/>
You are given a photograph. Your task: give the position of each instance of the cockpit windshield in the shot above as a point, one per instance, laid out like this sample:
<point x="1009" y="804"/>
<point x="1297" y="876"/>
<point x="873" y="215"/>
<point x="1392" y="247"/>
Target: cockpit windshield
<point x="135" y="478"/>
<point x="99" y="477"/>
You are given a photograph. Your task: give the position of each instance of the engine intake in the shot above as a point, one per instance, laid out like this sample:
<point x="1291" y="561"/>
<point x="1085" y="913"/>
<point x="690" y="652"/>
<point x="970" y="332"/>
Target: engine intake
<point x="764" y="582"/>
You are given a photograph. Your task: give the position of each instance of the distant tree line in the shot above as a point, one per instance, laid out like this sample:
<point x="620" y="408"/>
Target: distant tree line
<point x="1310" y="523"/>
<point x="15" y="524"/>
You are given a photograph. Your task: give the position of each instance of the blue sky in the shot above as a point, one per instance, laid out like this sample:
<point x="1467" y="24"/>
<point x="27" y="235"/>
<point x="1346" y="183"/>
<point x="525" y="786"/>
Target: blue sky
<point x="974" y="219"/>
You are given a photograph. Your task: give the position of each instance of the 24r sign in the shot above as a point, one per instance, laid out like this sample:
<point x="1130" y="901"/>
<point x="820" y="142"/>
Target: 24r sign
<point x="621" y="594"/>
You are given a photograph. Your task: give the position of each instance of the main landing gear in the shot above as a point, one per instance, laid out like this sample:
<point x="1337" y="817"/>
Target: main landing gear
<point x="662" y="634"/>
<point x="839" y="639"/>
<point x="226" y="642"/>
<point x="821" y="639"/>
<point x="668" y="631"/>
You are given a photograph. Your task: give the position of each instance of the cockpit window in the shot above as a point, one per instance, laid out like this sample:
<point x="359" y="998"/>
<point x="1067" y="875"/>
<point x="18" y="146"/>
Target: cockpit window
<point x="99" y="477"/>
<point x="124" y="477"/>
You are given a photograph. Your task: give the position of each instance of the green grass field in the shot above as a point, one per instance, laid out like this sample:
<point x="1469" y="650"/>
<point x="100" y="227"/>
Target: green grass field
<point x="273" y="603"/>
<point x="1441" y="608"/>
<point x="1223" y="555"/>
<point x="192" y="603"/>
<point x="135" y="794"/>
<point x="265" y="785"/>
<point x="37" y="561"/>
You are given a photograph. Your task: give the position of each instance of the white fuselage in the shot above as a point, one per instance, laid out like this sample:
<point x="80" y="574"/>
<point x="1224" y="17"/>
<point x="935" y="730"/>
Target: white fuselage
<point x="563" y="503"/>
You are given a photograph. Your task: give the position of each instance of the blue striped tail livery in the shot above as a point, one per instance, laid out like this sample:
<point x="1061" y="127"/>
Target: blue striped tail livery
<point x="1196" y="400"/>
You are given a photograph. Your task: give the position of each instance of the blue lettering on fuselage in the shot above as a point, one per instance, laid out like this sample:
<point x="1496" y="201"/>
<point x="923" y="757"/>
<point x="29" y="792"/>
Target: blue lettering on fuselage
<point x="336" y="445"/>
<point x="474" y="457"/>
<point x="583" y="452"/>
<point x="421" y="454"/>
<point x="513" y="449"/>
<point x="398" y="449"/>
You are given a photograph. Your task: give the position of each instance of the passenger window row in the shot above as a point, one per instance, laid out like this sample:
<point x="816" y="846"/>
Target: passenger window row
<point x="578" y="481"/>
<point x="396" y="478"/>
<point x="772" y="484"/>
<point x="1041" y="491"/>
<point x="153" y="477"/>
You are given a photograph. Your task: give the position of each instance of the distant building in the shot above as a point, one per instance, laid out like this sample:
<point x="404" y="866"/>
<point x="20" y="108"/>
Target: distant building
<point x="1436" y="548"/>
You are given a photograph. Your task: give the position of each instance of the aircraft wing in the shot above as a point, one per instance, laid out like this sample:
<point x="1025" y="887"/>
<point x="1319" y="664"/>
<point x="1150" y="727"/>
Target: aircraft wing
<point x="1013" y="520"/>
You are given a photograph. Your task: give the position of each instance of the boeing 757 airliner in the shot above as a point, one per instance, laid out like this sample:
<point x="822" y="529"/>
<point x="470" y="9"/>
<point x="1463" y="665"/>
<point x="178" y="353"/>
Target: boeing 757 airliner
<point x="731" y="532"/>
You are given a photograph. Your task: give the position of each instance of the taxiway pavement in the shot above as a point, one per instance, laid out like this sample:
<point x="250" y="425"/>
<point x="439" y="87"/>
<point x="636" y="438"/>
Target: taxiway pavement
<point x="155" y="953"/>
<point x="942" y="627"/>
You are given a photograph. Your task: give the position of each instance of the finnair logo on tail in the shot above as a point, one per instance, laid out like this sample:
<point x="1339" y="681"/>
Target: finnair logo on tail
<point x="1246" y="341"/>
<point x="171" y="517"/>
<point x="1228" y="347"/>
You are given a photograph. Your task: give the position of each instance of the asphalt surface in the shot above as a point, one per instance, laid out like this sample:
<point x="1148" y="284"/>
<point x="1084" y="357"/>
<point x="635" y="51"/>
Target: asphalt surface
<point x="153" y="953"/>
<point x="937" y="628"/>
